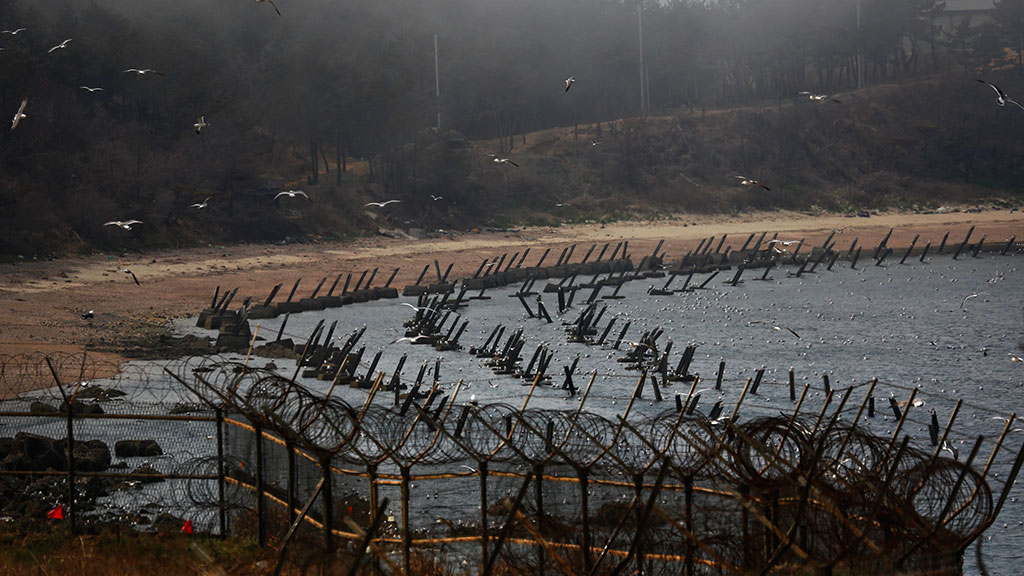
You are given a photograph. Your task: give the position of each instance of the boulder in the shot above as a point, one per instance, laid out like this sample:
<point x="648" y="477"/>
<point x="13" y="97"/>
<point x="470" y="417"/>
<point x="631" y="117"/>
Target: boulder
<point x="133" y="448"/>
<point x="35" y="453"/>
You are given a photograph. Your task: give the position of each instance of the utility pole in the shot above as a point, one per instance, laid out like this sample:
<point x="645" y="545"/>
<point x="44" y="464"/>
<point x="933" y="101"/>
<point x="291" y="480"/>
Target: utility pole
<point x="437" y="86"/>
<point x="643" y="74"/>
<point x="860" y="52"/>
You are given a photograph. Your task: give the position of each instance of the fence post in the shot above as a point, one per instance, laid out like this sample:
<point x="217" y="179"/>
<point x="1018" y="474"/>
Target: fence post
<point x="222" y="515"/>
<point x="406" y="533"/>
<point x="72" y="509"/>
<point x="371" y="474"/>
<point x="538" y="473"/>
<point x="327" y="502"/>
<point x="261" y="528"/>
<point x="291" y="480"/>
<point x="585" y="517"/>
<point x="688" y="519"/>
<point x="484" y="533"/>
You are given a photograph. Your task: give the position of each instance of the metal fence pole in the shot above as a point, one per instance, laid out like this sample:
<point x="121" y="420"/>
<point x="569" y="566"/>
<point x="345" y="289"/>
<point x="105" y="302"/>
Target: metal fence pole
<point x="222" y="517"/>
<point x="261" y="529"/>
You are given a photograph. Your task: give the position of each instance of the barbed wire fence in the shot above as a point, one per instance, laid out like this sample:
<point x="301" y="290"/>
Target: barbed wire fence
<point x="429" y="485"/>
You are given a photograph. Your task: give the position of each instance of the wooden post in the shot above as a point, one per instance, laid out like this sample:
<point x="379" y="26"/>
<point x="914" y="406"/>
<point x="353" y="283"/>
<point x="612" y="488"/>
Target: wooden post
<point x="294" y="288"/>
<point x="757" y="380"/>
<point x="942" y="245"/>
<point x="721" y="373"/>
<point x="924" y="253"/>
<point x="422" y="274"/>
<point x="882" y="245"/>
<point x="978" y="247"/>
<point x="792" y="384"/>
<point x="1009" y="244"/>
<point x="856" y="256"/>
<point x="907" y="253"/>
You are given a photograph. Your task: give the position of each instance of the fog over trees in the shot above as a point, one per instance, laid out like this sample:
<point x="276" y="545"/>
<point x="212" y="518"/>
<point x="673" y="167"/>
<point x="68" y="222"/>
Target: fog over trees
<point x="298" y="99"/>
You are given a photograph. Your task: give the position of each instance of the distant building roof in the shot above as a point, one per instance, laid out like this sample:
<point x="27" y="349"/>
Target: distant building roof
<point x="969" y="5"/>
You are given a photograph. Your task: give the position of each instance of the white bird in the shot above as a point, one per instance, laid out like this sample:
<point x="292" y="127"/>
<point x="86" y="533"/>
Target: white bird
<point x="569" y="82"/>
<point x="63" y="44"/>
<point x="1016" y="359"/>
<point x="127" y="271"/>
<point x="777" y="327"/>
<point x="88" y="315"/>
<point x="13" y="32"/>
<point x="947" y="447"/>
<point x="200" y="124"/>
<point x="271" y="2"/>
<point x="785" y="242"/>
<point x="498" y="160"/>
<point x="1001" y="97"/>
<point x="143" y="71"/>
<point x="818" y="97"/>
<point x="436" y="198"/>
<point x="292" y="194"/>
<point x="91" y="89"/>
<point x="968" y="297"/>
<point x="595" y="142"/>
<point x="380" y="204"/>
<point x="201" y="205"/>
<point x="751" y="182"/>
<point x="413" y="340"/>
<point x="19" y="114"/>
<point x="418" y="308"/>
<point x="126" y="225"/>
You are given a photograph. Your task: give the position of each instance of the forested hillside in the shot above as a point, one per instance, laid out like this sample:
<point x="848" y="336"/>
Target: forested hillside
<point x="340" y="99"/>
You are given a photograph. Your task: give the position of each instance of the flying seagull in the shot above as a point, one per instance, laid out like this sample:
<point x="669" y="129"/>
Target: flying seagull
<point x="418" y="308"/>
<point x="413" y="340"/>
<point x="777" y="327"/>
<point x="143" y="71"/>
<point x="13" y="32"/>
<point x="785" y="242"/>
<point x="272" y="4"/>
<point x="88" y="315"/>
<point x="595" y="142"/>
<point x="436" y="198"/>
<point x="751" y="182"/>
<point x="91" y="89"/>
<point x="19" y="114"/>
<point x="818" y="97"/>
<point x="1001" y="97"/>
<point x="126" y="225"/>
<point x="127" y="271"/>
<point x="569" y="82"/>
<point x="380" y="204"/>
<point x="63" y="44"/>
<point x="968" y="297"/>
<point x="292" y="194"/>
<point x="498" y="160"/>
<point x="201" y="205"/>
<point x="1015" y="359"/>
<point x="201" y="123"/>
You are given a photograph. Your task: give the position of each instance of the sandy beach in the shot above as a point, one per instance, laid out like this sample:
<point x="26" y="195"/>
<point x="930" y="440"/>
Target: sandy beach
<point x="41" y="302"/>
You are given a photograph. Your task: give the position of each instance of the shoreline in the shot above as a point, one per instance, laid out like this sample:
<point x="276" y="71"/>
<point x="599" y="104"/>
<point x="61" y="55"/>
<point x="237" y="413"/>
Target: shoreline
<point x="41" y="302"/>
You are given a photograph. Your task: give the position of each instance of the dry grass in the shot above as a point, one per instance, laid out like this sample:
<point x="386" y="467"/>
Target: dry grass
<point x="50" y="550"/>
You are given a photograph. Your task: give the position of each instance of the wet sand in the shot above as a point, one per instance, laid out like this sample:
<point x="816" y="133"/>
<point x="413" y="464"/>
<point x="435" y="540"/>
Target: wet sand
<point x="41" y="302"/>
